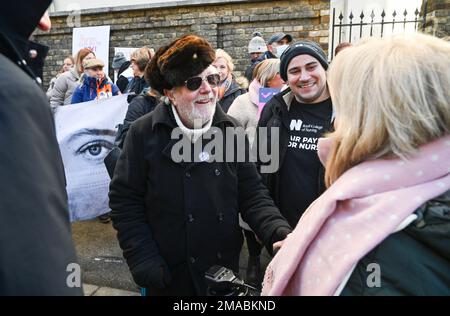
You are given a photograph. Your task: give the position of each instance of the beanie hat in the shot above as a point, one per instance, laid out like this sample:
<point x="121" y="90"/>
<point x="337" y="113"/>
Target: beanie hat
<point x="257" y="44"/>
<point x="118" y="60"/>
<point x="182" y="59"/>
<point x="302" y="48"/>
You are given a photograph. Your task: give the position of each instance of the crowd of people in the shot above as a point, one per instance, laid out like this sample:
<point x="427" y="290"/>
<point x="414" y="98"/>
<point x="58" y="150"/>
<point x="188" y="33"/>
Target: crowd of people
<point x="362" y="145"/>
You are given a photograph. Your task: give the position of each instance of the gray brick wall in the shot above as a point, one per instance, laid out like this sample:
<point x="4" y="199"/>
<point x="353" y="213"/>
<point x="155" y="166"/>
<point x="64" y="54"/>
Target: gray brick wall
<point x="438" y="18"/>
<point x="228" y="26"/>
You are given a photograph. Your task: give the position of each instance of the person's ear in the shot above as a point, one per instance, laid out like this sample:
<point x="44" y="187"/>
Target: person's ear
<point x="170" y="95"/>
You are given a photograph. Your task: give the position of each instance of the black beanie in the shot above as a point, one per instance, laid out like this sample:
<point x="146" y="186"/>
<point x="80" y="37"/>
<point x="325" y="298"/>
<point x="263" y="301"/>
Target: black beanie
<point x="302" y="48"/>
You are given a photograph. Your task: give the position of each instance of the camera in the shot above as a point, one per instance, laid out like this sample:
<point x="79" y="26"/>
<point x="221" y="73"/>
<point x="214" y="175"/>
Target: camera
<point x="222" y="281"/>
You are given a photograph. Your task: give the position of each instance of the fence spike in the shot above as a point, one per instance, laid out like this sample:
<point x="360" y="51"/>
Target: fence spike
<point x="417" y="12"/>
<point x="383" y="14"/>
<point x="394" y="14"/>
<point x="405" y="13"/>
<point x="351" y="16"/>
<point x="372" y="15"/>
<point x="341" y="16"/>
<point x="362" y="15"/>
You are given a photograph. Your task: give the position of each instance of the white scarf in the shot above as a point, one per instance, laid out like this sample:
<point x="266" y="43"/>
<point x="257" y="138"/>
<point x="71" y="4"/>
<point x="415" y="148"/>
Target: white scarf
<point x="191" y="134"/>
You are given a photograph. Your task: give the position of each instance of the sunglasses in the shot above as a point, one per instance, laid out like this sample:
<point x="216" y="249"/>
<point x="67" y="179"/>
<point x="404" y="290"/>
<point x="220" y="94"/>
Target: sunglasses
<point x="195" y="82"/>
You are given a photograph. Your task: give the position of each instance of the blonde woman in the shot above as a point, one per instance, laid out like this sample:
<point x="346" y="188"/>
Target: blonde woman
<point x="245" y="110"/>
<point x="229" y="90"/>
<point x="382" y="227"/>
<point x="245" y="107"/>
<point x="139" y="60"/>
<point x="67" y="64"/>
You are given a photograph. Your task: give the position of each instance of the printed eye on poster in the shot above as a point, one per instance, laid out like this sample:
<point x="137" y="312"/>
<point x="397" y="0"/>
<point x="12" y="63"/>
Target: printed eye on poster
<point x="85" y="133"/>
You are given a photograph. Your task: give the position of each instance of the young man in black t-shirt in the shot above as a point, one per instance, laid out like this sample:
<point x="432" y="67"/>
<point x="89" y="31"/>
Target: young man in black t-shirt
<point x="303" y="114"/>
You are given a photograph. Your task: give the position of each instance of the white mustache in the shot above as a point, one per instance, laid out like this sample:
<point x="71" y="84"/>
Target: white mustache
<point x="207" y="98"/>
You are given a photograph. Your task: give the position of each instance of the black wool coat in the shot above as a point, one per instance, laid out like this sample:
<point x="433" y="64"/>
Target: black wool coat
<point x="177" y="219"/>
<point x="37" y="254"/>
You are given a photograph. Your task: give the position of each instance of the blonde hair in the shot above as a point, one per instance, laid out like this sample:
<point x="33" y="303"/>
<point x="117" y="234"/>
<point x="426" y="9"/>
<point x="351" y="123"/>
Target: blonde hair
<point x="390" y="96"/>
<point x="266" y="71"/>
<point x="220" y="53"/>
<point x="141" y="57"/>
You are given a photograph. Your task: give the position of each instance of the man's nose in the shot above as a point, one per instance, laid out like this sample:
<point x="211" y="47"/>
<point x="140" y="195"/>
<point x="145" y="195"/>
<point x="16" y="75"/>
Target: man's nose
<point x="205" y="87"/>
<point x="304" y="76"/>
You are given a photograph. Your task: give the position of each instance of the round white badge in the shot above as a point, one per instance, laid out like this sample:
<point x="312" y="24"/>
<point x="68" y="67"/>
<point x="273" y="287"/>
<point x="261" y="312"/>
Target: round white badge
<point x="204" y="156"/>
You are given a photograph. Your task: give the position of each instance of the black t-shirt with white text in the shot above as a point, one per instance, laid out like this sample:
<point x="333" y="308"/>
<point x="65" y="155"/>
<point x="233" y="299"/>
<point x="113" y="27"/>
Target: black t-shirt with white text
<point x="299" y="173"/>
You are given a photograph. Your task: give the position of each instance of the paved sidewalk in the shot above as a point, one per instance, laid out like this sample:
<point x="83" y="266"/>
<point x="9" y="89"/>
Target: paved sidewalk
<point x="104" y="271"/>
<point x="94" y="290"/>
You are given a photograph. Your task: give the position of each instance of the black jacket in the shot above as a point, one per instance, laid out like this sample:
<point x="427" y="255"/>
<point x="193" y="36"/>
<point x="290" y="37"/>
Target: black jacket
<point x="36" y="245"/>
<point x="182" y="218"/>
<point x="232" y="93"/>
<point x="36" y="64"/>
<point x="122" y="82"/>
<point x="275" y="114"/>
<point x="414" y="261"/>
<point x="135" y="87"/>
<point x="138" y="107"/>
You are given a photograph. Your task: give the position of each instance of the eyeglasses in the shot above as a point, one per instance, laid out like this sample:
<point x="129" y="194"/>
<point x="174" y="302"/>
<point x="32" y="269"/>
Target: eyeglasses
<point x="195" y="82"/>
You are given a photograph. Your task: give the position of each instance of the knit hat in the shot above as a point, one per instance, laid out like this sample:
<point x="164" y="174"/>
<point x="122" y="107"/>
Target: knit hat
<point x="92" y="63"/>
<point x="257" y="44"/>
<point x="302" y="48"/>
<point x="118" y="60"/>
<point x="182" y="59"/>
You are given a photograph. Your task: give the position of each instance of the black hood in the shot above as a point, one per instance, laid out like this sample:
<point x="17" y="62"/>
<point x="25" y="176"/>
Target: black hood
<point x="20" y="18"/>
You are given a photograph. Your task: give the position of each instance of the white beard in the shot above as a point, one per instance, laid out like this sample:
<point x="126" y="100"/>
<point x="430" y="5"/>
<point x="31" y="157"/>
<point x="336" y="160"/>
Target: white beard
<point x="198" y="115"/>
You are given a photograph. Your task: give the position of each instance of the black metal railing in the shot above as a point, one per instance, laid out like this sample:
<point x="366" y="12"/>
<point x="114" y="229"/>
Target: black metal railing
<point x="339" y="25"/>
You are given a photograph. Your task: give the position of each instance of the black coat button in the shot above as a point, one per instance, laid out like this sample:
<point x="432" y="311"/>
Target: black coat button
<point x="192" y="259"/>
<point x="190" y="218"/>
<point x="220" y="217"/>
<point x="217" y="172"/>
<point x="219" y="255"/>
<point x="188" y="174"/>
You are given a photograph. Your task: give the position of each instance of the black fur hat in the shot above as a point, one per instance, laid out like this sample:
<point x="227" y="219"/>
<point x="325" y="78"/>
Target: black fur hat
<point x="182" y="59"/>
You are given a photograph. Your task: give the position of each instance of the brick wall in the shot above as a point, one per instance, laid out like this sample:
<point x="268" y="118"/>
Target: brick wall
<point x="438" y="18"/>
<point x="226" y="25"/>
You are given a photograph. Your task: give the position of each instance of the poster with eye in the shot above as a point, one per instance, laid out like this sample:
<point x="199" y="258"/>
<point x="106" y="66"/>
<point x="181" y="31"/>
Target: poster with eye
<point x="86" y="133"/>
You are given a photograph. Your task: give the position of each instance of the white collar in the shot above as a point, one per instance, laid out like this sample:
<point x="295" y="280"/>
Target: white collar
<point x="191" y="134"/>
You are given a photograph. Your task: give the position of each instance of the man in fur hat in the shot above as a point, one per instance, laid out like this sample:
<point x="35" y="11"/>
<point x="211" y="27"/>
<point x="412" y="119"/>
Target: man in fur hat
<point x="175" y="219"/>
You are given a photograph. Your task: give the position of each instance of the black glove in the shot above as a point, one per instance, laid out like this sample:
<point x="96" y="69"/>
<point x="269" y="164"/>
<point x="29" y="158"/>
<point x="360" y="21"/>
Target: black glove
<point x="152" y="274"/>
<point x="279" y="234"/>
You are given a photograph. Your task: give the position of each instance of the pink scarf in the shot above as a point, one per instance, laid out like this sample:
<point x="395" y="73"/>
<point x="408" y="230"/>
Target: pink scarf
<point x="362" y="208"/>
<point x="253" y="90"/>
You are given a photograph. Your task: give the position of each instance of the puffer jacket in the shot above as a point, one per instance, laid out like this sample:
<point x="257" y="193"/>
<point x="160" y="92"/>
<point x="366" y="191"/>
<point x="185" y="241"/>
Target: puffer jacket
<point x="64" y="87"/>
<point x="414" y="261"/>
<point x="90" y="90"/>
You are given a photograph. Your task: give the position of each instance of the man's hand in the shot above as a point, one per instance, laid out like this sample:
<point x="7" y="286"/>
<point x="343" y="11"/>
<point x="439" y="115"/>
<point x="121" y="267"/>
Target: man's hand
<point x="276" y="246"/>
